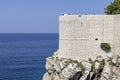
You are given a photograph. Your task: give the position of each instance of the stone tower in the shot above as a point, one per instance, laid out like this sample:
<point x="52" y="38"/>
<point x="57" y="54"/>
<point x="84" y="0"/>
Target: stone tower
<point x="80" y="36"/>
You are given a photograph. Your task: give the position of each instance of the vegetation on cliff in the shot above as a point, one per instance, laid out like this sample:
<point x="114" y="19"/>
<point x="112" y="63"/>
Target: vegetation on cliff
<point x="105" y="47"/>
<point x="67" y="69"/>
<point x="113" y="7"/>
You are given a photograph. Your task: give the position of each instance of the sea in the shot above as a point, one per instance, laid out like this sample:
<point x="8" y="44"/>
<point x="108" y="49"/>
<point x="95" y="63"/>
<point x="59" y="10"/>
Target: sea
<point x="23" y="56"/>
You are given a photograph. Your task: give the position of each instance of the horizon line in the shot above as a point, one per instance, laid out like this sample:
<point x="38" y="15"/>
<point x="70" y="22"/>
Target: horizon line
<point x="29" y="33"/>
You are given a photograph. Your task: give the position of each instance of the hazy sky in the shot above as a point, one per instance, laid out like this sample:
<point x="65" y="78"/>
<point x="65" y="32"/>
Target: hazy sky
<point x="41" y="16"/>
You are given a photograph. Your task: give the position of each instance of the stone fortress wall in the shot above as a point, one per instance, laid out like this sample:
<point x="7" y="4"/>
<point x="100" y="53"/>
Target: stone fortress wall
<point x="80" y="36"/>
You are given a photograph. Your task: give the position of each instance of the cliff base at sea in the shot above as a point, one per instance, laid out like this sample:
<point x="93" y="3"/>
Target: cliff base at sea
<point x="68" y="69"/>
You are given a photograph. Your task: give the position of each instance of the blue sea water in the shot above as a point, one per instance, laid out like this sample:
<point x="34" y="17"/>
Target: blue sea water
<point x="23" y="56"/>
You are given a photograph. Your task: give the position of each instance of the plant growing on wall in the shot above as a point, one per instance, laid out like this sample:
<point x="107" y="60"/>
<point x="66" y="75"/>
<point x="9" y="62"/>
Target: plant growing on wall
<point x="105" y="47"/>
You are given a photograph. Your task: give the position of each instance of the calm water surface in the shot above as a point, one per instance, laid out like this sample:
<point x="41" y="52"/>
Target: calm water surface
<point x="22" y="56"/>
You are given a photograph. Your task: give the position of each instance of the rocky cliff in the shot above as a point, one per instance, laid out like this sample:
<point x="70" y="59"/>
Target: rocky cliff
<point x="68" y="69"/>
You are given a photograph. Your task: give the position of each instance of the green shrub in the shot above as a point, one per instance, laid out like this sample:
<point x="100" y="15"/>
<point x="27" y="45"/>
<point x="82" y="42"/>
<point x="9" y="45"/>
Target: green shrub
<point x="71" y="61"/>
<point x="106" y="47"/>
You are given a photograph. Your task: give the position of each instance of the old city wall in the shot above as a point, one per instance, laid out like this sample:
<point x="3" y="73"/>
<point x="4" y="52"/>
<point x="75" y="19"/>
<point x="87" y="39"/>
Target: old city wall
<point x="80" y="36"/>
<point x="73" y="37"/>
<point x="116" y="35"/>
<point x="100" y="31"/>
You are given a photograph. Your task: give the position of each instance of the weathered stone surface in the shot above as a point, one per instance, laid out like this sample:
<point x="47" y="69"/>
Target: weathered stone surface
<point x="62" y="64"/>
<point x="85" y="75"/>
<point x="46" y="76"/>
<point x="87" y="66"/>
<point x="67" y="69"/>
<point x="80" y="36"/>
<point x="116" y="74"/>
<point x="97" y="64"/>
<point x="76" y="76"/>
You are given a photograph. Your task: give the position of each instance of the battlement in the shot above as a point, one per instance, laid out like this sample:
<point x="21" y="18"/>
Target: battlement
<point x="80" y="36"/>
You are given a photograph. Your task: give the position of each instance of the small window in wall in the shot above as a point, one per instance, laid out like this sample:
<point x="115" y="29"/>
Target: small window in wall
<point x="96" y="39"/>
